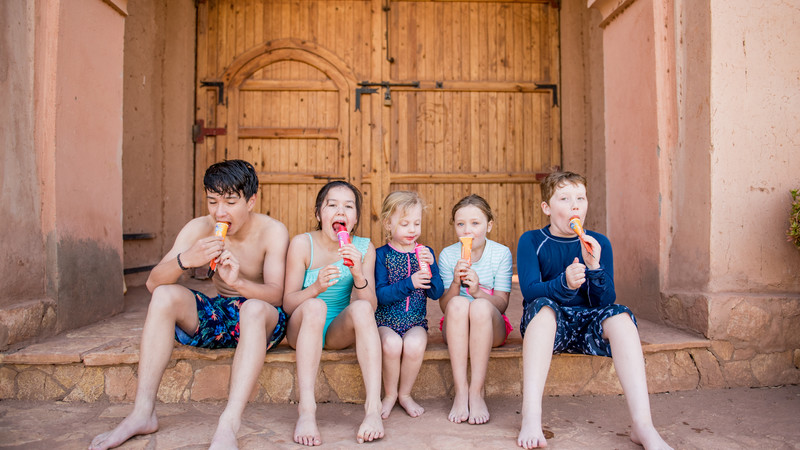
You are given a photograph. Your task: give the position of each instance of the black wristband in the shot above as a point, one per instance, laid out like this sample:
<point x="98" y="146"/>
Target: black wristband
<point x="366" y="282"/>
<point x="179" y="262"/>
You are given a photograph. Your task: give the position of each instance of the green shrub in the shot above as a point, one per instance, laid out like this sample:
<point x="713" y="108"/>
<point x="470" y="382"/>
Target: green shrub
<point x="794" y="219"/>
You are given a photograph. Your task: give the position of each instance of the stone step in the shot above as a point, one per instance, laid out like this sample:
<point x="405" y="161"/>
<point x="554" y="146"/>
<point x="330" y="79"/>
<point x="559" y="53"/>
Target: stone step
<point x="98" y="363"/>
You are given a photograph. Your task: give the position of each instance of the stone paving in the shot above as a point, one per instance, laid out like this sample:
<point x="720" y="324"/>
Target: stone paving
<point x="62" y="391"/>
<point x="738" y="418"/>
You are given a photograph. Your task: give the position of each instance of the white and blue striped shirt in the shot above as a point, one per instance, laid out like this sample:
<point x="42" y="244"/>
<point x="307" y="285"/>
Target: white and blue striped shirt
<point x="494" y="269"/>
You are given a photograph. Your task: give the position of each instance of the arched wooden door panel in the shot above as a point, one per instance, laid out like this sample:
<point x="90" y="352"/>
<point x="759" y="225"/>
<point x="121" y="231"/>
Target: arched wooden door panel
<point x="285" y="110"/>
<point x="481" y="114"/>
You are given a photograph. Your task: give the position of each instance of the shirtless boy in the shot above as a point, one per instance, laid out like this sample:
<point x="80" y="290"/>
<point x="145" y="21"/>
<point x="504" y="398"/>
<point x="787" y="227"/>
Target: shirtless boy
<point x="249" y="280"/>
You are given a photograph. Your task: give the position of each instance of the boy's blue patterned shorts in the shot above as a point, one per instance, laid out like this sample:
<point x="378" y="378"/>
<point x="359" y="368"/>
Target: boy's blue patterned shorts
<point x="218" y="323"/>
<point x="579" y="329"/>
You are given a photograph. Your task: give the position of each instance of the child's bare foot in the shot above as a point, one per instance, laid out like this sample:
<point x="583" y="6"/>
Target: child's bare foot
<point x="306" y="431"/>
<point x="648" y="437"/>
<point x="225" y="436"/>
<point x="478" y="411"/>
<point x="412" y="408"/>
<point x="133" y="425"/>
<point x="460" y="411"/>
<point x="371" y="428"/>
<point x="386" y="406"/>
<point x="530" y="434"/>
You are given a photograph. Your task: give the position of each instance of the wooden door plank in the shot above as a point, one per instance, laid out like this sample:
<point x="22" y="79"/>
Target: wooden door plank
<point x="240" y="26"/>
<point x="474" y="44"/>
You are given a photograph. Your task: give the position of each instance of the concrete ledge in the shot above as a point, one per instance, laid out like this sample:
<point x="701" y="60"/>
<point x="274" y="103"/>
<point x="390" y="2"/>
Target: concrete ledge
<point x="26" y="320"/>
<point x="92" y="364"/>
<point x="98" y="363"/>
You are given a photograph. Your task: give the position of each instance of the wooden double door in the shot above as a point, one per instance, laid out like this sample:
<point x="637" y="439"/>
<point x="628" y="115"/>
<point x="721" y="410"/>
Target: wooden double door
<point x="446" y="98"/>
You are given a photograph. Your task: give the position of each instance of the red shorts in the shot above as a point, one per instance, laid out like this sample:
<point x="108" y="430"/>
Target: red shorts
<point x="509" y="328"/>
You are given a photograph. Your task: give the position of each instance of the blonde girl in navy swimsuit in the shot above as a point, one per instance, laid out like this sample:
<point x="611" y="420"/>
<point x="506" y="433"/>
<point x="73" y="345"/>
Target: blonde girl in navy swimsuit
<point x="403" y="291"/>
<point x="333" y="305"/>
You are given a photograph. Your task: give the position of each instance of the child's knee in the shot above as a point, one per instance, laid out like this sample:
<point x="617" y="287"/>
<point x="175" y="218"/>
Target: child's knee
<point x="480" y="309"/>
<point x="392" y="345"/>
<point x="362" y="312"/>
<point x="545" y="314"/>
<point x="457" y="307"/>
<point x="167" y="297"/>
<point x="415" y="344"/>
<point x="620" y="324"/>
<point x="315" y="310"/>
<point x="257" y="311"/>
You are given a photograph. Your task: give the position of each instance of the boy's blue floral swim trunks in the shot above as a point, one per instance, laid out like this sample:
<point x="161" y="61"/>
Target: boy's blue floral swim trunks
<point x="218" y="323"/>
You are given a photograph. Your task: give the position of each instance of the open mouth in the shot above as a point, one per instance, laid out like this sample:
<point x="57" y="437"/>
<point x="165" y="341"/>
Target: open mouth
<point x="339" y="226"/>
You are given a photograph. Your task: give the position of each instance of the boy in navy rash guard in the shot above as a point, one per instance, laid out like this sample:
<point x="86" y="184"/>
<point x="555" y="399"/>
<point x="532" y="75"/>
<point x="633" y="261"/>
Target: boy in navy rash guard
<point x="568" y="307"/>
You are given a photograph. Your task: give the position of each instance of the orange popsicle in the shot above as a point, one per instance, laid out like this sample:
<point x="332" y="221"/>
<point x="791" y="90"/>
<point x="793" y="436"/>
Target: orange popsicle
<point x="466" y="251"/>
<point x="575" y="224"/>
<point x="466" y="248"/>
<point x="220" y="229"/>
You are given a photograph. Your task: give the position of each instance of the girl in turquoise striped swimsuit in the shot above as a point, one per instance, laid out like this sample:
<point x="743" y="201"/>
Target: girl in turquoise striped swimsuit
<point x="330" y="295"/>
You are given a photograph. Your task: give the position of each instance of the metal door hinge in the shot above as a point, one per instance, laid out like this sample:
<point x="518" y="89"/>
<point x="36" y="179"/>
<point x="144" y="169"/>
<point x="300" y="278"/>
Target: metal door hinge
<point x="220" y="86"/>
<point x="199" y="131"/>
<point x="550" y="87"/>
<point x="387" y="94"/>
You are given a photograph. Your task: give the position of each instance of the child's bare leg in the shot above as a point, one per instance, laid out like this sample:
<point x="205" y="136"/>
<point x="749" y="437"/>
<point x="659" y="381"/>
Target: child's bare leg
<point x="626" y="351"/>
<point x="537" y="352"/>
<point x="486" y="329"/>
<point x="304" y="333"/>
<point x="169" y="305"/>
<point x="256" y="318"/>
<point x="357" y="323"/>
<point x="456" y="328"/>
<point x="414" y="342"/>
<point x="392" y="347"/>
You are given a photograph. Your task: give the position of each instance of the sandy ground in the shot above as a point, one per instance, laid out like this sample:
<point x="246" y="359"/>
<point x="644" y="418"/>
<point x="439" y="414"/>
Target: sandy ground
<point x="763" y="418"/>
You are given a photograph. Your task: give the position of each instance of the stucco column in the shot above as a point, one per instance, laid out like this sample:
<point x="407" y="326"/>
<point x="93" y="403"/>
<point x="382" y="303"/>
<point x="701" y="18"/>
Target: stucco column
<point x="78" y="146"/>
<point x="701" y="152"/>
<point x="639" y="137"/>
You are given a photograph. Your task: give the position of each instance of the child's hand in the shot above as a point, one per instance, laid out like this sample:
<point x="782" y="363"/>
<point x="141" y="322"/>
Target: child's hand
<point x="327" y="277"/>
<point x="592" y="262"/>
<point x="472" y="282"/>
<point x="460" y="271"/>
<point x="421" y="280"/>
<point x="203" y="251"/>
<point x="425" y="255"/>
<point x="350" y="252"/>
<point x="228" y="268"/>
<point x="575" y="274"/>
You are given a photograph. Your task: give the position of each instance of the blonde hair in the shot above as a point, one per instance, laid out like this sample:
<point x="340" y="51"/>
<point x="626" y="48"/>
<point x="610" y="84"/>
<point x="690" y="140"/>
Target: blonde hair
<point x="559" y="179"/>
<point x="398" y="201"/>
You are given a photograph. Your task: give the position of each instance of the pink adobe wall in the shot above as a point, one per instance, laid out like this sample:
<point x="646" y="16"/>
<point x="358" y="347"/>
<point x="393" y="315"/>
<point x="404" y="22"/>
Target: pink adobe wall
<point x="632" y="157"/>
<point x="755" y="144"/>
<point x="89" y="123"/>
<point x="78" y="147"/>
<point x="690" y="210"/>
<point x="158" y="110"/>
<point x="581" y="98"/>
<point x="23" y="247"/>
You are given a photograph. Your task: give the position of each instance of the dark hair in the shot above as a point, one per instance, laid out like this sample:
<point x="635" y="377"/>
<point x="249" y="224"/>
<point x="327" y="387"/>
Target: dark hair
<point x="476" y="201"/>
<point x="324" y="193"/>
<point x="231" y="177"/>
<point x="558" y="179"/>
